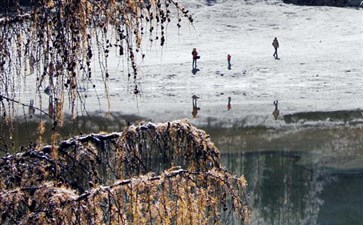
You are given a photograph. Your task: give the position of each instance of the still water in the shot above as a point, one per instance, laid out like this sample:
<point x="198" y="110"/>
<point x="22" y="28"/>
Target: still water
<point x="300" y="174"/>
<point x="283" y="192"/>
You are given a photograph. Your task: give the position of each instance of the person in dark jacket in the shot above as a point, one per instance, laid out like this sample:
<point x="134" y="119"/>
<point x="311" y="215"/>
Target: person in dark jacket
<point x="195" y="57"/>
<point x="229" y="61"/>
<point x="275" y="44"/>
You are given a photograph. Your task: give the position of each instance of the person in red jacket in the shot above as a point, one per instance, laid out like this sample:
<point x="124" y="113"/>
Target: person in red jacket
<point x="229" y="106"/>
<point x="195" y="57"/>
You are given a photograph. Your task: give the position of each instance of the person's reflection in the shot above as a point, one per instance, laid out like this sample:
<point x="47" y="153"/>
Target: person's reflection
<point x="229" y="106"/>
<point x="31" y="109"/>
<point x="276" y="112"/>
<point x="51" y="107"/>
<point x="195" y="106"/>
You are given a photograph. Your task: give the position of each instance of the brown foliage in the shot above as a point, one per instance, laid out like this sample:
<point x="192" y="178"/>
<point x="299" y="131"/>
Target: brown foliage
<point x="62" y="41"/>
<point x="174" y="197"/>
<point x="101" y="159"/>
<point x="113" y="179"/>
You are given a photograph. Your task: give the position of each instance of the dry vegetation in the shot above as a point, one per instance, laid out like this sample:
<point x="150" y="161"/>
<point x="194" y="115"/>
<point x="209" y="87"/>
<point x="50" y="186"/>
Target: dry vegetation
<point x="63" y="42"/>
<point x="166" y="173"/>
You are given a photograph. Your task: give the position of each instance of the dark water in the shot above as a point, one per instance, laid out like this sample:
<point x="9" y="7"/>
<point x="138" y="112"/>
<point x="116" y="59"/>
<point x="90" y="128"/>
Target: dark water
<point x="307" y="171"/>
<point x="283" y="192"/>
<point x="296" y="174"/>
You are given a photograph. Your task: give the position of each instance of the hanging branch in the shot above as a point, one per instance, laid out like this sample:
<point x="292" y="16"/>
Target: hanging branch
<point x="31" y="107"/>
<point x="57" y="43"/>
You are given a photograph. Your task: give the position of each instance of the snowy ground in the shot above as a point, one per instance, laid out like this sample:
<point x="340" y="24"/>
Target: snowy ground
<point x="320" y="69"/>
<point x="320" y="66"/>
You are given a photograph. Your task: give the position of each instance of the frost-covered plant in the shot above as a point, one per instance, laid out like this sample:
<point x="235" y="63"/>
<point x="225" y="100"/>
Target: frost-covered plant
<point x="166" y="173"/>
<point x="83" y="162"/>
<point x="177" y="196"/>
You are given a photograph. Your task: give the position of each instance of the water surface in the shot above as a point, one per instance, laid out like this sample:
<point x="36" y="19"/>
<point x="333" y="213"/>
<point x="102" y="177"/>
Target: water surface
<point x="297" y="174"/>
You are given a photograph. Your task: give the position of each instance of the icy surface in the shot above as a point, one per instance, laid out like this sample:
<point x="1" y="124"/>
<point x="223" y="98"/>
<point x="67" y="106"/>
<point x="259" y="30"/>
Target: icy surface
<point x="320" y="70"/>
<point x="320" y="66"/>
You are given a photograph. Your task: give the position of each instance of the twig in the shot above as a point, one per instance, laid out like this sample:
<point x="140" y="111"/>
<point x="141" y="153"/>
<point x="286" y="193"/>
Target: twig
<point x="2" y="97"/>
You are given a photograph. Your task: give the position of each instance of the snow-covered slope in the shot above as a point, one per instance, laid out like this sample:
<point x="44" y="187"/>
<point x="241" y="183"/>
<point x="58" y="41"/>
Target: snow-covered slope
<point x="320" y="66"/>
<point x="320" y="69"/>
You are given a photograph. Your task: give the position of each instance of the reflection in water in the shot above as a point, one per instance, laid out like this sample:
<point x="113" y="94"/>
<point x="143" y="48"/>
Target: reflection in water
<point x="335" y="116"/>
<point x="310" y="175"/>
<point x="51" y="107"/>
<point x="280" y="191"/>
<point x="283" y="192"/>
<point x="276" y="112"/>
<point x="195" y="106"/>
<point x="296" y="175"/>
<point x="31" y="109"/>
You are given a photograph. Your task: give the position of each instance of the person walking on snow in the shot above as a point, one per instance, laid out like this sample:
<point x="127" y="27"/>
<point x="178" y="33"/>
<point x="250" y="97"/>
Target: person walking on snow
<point x="195" y="57"/>
<point x="229" y="61"/>
<point x="275" y="43"/>
<point x="229" y="106"/>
